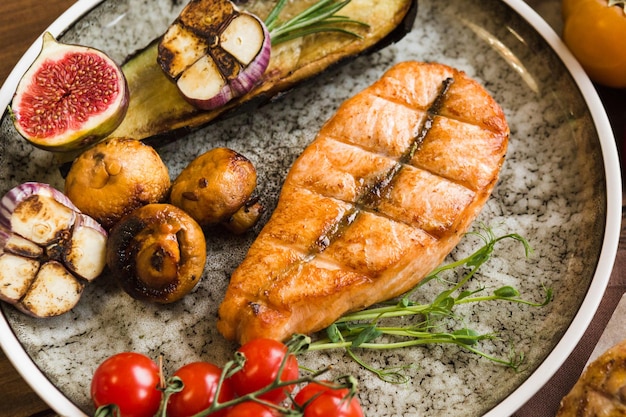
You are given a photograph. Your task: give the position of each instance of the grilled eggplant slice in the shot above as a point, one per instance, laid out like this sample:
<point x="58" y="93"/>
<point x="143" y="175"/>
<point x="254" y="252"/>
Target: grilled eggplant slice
<point x="158" y="113"/>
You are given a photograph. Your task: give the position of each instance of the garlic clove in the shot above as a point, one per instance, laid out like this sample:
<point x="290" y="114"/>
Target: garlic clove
<point x="187" y="46"/>
<point x="243" y="38"/>
<point x="204" y="82"/>
<point x="17" y="273"/>
<point x="17" y="245"/>
<point x="41" y="219"/>
<point x="54" y="291"/>
<point x="214" y="59"/>
<point x="49" y="250"/>
<point x="85" y="253"/>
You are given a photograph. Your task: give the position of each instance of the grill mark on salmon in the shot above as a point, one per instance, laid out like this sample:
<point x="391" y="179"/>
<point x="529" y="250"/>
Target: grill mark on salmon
<point x="380" y="188"/>
<point x="372" y="205"/>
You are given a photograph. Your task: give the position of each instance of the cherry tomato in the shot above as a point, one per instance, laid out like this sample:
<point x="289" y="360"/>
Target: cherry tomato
<point x="130" y="380"/>
<point x="200" y="381"/>
<point x="312" y="390"/>
<point x="595" y="33"/>
<point x="263" y="360"/>
<point x="251" y="409"/>
<point x="323" y="401"/>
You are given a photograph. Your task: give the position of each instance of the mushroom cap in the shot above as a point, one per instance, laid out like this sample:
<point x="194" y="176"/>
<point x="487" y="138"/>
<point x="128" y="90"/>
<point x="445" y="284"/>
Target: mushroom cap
<point x="157" y="253"/>
<point x="113" y="178"/>
<point x="214" y="185"/>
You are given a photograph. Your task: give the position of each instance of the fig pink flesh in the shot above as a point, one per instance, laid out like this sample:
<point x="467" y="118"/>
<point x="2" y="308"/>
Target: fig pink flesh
<point x="62" y="98"/>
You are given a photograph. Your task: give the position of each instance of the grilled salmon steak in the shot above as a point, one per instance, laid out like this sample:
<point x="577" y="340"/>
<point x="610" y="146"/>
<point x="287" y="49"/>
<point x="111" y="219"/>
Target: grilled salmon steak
<point x="381" y="196"/>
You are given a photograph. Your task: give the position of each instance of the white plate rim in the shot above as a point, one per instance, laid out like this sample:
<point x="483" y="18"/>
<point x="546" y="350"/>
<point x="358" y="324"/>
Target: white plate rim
<point x="50" y="394"/>
<point x="575" y="331"/>
<point x="9" y="343"/>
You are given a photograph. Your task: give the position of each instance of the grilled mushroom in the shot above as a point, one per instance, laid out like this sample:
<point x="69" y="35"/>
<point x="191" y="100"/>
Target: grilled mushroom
<point x="157" y="253"/>
<point x="216" y="187"/>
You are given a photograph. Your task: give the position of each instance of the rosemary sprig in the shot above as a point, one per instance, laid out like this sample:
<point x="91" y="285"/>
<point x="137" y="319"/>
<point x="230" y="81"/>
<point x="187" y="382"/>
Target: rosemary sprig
<point x="320" y="17"/>
<point x="366" y="329"/>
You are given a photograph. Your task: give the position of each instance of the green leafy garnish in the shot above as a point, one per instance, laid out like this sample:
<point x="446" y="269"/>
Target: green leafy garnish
<point x="320" y="17"/>
<point x="427" y="324"/>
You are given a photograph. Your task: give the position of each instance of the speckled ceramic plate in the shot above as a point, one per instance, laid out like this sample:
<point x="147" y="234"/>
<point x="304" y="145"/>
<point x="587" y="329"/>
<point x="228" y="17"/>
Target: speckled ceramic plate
<point x="560" y="188"/>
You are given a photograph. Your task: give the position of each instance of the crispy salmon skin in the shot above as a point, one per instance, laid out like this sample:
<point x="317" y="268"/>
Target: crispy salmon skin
<point x="381" y="196"/>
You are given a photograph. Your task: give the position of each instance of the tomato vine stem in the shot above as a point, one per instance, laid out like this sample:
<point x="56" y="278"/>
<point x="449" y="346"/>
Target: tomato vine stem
<point x="296" y="345"/>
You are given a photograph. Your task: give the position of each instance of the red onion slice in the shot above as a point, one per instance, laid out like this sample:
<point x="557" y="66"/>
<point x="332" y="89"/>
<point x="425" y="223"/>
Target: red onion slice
<point x="254" y="70"/>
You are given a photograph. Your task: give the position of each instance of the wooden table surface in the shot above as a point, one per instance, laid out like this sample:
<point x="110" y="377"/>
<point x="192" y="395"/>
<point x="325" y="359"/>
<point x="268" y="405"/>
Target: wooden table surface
<point x="22" y="21"/>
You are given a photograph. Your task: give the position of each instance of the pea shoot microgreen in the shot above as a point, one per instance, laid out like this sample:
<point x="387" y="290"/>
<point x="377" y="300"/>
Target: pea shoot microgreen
<point x="371" y="329"/>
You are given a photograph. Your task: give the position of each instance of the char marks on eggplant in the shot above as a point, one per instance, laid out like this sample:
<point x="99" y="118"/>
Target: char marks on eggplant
<point x="159" y="114"/>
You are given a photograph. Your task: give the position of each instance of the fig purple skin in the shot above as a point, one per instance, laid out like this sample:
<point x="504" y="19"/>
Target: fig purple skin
<point x="71" y="97"/>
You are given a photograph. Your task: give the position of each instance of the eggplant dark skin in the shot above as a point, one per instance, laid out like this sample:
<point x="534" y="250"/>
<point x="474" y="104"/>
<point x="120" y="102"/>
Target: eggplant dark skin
<point x="158" y="114"/>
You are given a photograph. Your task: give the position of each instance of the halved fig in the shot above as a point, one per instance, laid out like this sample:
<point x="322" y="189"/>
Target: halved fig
<point x="49" y="250"/>
<point x="71" y="96"/>
<point x="157" y="253"/>
<point x="214" y="52"/>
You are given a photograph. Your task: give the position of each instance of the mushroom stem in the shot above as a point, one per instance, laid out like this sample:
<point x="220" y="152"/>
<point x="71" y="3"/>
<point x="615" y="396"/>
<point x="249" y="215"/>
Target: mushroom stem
<point x="157" y="263"/>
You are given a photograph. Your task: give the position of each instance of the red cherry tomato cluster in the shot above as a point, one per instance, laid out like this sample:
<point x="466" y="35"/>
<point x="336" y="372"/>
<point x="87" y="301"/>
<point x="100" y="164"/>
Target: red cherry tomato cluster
<point x="133" y="382"/>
